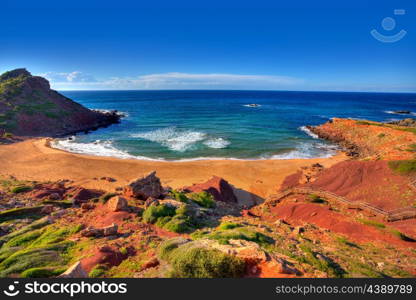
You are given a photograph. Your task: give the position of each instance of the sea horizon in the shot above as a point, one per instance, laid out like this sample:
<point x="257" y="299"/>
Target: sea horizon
<point x="221" y="124"/>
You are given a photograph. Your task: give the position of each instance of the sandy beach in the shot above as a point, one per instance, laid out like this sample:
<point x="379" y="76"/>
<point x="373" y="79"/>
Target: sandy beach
<point x="255" y="179"/>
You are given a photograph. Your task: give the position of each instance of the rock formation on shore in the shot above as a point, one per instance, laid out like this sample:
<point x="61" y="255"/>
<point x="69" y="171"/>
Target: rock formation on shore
<point x="29" y="107"/>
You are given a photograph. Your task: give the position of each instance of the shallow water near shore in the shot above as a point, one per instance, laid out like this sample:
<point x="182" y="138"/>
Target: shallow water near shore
<point x="192" y="125"/>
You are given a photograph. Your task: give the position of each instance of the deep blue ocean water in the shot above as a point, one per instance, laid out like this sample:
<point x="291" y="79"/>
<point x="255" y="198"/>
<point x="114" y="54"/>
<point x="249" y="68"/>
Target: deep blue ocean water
<point x="177" y="125"/>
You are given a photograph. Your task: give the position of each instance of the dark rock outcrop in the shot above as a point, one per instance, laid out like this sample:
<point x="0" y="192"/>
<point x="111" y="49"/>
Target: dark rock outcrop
<point x="29" y="107"/>
<point x="219" y="188"/>
<point x="408" y="122"/>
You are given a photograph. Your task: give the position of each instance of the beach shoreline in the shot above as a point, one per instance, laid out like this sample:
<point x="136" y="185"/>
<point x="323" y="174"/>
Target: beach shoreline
<point x="254" y="180"/>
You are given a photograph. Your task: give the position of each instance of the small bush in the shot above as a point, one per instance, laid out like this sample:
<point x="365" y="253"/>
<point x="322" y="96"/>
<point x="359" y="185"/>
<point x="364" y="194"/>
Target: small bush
<point x="123" y="250"/>
<point x="7" y="135"/>
<point x="179" y="196"/>
<point x="228" y="225"/>
<point x="203" y="199"/>
<point x="20" y="189"/>
<point x="191" y="260"/>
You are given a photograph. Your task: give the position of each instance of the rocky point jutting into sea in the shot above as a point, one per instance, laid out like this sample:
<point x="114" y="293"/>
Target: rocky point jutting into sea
<point x="29" y="107"/>
<point x="69" y="215"/>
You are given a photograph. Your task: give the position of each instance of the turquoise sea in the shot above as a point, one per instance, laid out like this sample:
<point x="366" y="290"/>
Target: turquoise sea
<point x="186" y="125"/>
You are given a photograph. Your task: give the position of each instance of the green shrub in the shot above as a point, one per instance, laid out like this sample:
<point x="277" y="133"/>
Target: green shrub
<point x="20" y="189"/>
<point x="42" y="272"/>
<point x="153" y="212"/>
<point x="179" y="224"/>
<point x="203" y="199"/>
<point x="179" y="196"/>
<point x="191" y="260"/>
<point x="7" y="135"/>
<point x="123" y="250"/>
<point x="405" y="167"/>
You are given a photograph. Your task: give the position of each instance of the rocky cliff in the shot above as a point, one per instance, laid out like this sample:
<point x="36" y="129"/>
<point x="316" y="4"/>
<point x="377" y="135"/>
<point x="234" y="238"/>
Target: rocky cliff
<point x="29" y="107"/>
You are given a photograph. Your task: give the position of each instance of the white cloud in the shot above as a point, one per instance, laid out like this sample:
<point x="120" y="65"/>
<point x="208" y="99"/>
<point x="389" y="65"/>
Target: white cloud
<point x="174" y="80"/>
<point x="74" y="77"/>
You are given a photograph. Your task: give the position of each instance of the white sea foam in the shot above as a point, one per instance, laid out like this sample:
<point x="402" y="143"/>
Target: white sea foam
<point x="217" y="143"/>
<point x="395" y="113"/>
<point x="96" y="148"/>
<point x="308" y="132"/>
<point x="308" y="150"/>
<point x="172" y="138"/>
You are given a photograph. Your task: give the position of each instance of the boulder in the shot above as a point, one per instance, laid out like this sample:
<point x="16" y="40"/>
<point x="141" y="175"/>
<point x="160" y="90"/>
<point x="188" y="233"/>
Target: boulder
<point x="219" y="188"/>
<point x="153" y="262"/>
<point x="74" y="271"/>
<point x="117" y="203"/>
<point x="282" y="266"/>
<point x="145" y="187"/>
<point x="110" y="230"/>
<point x="246" y="250"/>
<point x="91" y="231"/>
<point x="87" y="206"/>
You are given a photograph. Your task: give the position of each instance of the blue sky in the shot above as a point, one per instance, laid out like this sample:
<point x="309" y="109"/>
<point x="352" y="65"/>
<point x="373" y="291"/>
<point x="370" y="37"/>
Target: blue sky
<point x="276" y="45"/>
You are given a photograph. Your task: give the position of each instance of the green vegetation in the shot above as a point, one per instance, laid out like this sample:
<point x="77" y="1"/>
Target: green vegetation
<point x="20" y="189"/>
<point x="46" y="247"/>
<point x="381" y="135"/>
<point x="411" y="148"/>
<point x="104" y="198"/>
<point x="401" y="235"/>
<point x="316" y="199"/>
<point x="228" y="225"/>
<point x="194" y="260"/>
<point x="7" y="135"/>
<point x="323" y="264"/>
<point x="20" y="212"/>
<point x="173" y="219"/>
<point x="237" y="233"/>
<point x="42" y="272"/>
<point x="179" y="196"/>
<point x="404" y="167"/>
<point x="372" y="223"/>
<point x="97" y="271"/>
<point x="203" y="199"/>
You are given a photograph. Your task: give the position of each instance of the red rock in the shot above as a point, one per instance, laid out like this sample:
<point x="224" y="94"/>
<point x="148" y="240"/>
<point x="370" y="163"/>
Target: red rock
<point x="219" y="188"/>
<point x="145" y="187"/>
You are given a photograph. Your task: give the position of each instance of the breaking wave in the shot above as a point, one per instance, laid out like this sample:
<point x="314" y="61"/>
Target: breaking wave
<point x="181" y="140"/>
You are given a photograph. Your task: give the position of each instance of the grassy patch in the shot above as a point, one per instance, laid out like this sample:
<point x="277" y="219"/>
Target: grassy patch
<point x="20" y="212"/>
<point x="179" y="196"/>
<point x="404" y="167"/>
<point x="42" y="272"/>
<point x="239" y="233"/>
<point x="97" y="271"/>
<point x="372" y="223"/>
<point x="228" y="225"/>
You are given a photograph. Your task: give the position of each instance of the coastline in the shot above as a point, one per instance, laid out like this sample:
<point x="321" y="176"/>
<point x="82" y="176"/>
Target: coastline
<point x="253" y="180"/>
